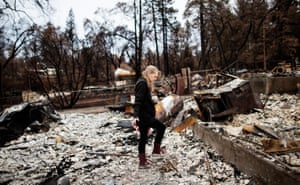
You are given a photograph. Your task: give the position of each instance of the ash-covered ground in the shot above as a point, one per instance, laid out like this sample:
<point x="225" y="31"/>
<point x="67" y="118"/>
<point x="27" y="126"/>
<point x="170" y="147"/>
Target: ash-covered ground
<point x="100" y="149"/>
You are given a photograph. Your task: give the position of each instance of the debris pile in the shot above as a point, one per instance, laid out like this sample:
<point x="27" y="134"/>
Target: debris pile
<point x="226" y="100"/>
<point x="102" y="149"/>
<point x="278" y="122"/>
<point x="268" y="137"/>
<point x="29" y="117"/>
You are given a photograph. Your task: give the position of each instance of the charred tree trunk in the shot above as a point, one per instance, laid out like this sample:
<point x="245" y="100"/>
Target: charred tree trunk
<point x="165" y="38"/>
<point x="1" y="86"/>
<point x="140" y="49"/>
<point x="155" y="35"/>
<point x="137" y="62"/>
<point x="203" y="58"/>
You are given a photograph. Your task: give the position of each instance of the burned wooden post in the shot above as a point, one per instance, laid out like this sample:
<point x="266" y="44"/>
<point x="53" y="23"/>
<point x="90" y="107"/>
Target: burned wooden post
<point x="182" y="82"/>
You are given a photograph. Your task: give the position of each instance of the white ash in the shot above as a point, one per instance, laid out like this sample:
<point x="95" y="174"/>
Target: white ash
<point x="91" y="149"/>
<point x="282" y="114"/>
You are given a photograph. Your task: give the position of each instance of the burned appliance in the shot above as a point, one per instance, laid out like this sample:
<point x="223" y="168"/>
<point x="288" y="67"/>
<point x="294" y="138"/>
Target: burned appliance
<point x="220" y="103"/>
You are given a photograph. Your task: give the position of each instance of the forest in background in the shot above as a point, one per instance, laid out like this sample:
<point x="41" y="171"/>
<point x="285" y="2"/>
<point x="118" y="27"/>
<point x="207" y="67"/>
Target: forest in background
<point x="255" y="35"/>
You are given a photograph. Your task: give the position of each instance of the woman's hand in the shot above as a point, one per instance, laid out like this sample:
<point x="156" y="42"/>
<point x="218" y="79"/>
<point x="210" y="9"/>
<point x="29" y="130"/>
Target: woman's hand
<point x="134" y="123"/>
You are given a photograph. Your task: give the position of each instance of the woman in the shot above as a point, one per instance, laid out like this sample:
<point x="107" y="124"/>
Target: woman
<point x="144" y="113"/>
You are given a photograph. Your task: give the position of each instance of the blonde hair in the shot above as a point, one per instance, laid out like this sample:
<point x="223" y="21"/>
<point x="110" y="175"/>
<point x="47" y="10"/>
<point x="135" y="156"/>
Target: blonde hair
<point x="151" y="69"/>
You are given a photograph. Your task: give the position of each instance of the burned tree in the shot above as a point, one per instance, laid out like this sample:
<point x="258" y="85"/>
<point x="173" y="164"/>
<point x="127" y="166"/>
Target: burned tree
<point x="59" y="68"/>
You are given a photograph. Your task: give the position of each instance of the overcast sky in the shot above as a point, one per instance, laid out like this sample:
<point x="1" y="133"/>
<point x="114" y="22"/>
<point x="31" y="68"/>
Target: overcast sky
<point x="86" y="8"/>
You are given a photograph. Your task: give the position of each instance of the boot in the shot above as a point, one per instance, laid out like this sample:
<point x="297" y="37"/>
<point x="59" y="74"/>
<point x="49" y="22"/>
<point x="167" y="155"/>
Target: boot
<point x="157" y="153"/>
<point x="156" y="148"/>
<point x="143" y="161"/>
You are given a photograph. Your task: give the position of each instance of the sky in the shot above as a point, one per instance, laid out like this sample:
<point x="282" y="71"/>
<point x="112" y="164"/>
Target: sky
<point x="86" y="8"/>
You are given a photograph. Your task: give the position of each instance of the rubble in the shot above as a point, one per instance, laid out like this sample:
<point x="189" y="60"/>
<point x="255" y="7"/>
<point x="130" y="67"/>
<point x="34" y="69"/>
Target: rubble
<point x="280" y="145"/>
<point x="279" y="119"/>
<point x="26" y="117"/>
<point x="168" y="106"/>
<point x="95" y="149"/>
<point x="220" y="103"/>
<point x="101" y="148"/>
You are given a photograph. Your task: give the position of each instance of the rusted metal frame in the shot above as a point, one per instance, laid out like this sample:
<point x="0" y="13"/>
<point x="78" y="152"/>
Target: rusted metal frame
<point x="245" y="160"/>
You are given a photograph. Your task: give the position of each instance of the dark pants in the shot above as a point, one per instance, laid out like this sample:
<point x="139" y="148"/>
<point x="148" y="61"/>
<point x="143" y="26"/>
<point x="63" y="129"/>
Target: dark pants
<point x="144" y="125"/>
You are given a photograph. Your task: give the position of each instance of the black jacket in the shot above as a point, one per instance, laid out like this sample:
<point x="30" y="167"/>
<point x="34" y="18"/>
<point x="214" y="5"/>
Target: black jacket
<point x="144" y="106"/>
